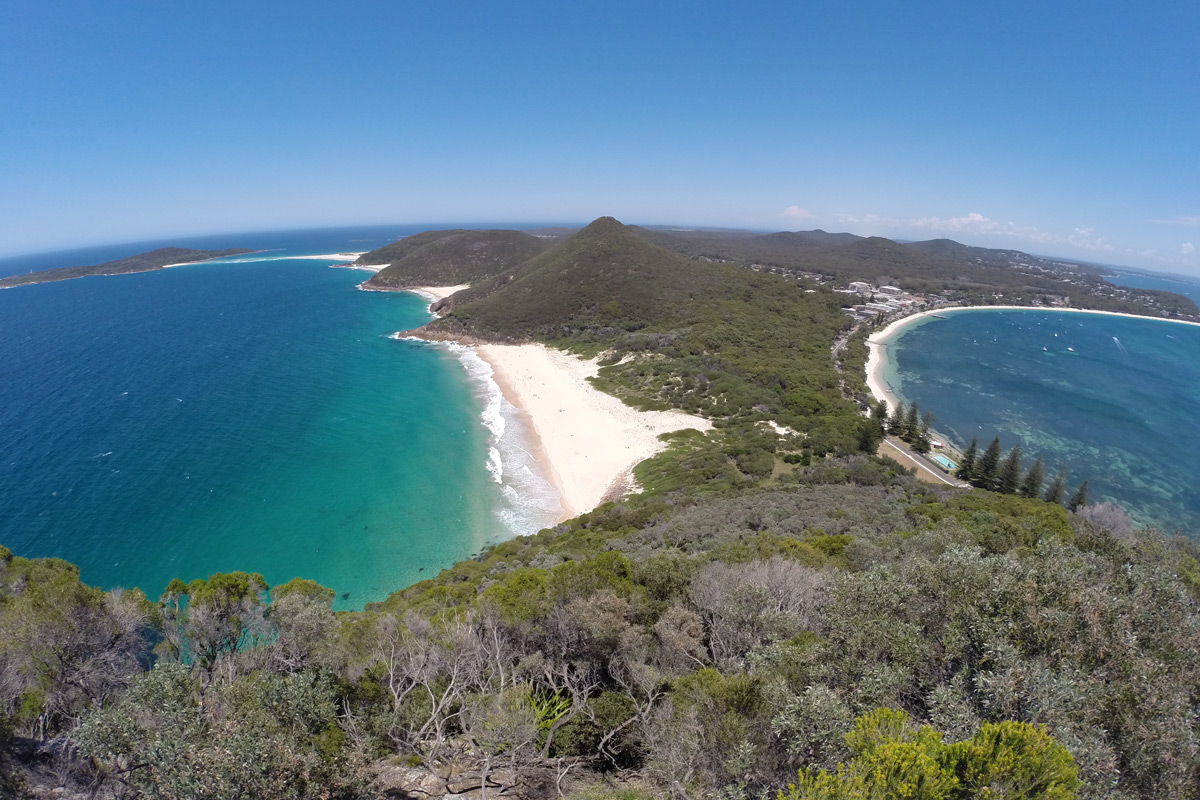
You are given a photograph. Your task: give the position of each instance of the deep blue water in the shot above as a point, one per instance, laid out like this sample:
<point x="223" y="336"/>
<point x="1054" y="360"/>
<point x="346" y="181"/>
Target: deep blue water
<point x="249" y="414"/>
<point x="1116" y="399"/>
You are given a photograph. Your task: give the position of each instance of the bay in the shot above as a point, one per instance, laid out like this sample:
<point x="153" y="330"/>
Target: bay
<point x="1115" y="399"/>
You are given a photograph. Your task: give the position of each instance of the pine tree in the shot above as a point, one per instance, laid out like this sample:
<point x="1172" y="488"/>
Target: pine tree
<point x="896" y="422"/>
<point x="1009" y="476"/>
<point x="1032" y="485"/>
<point x="880" y="414"/>
<point x="966" y="470"/>
<point x="1080" y="498"/>
<point x="1056" y="492"/>
<point x="912" y="424"/>
<point x="921" y="442"/>
<point x="869" y="435"/>
<point x="989" y="464"/>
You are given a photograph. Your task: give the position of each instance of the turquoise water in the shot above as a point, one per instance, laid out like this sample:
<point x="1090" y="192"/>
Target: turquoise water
<point x="1116" y="399"/>
<point x="251" y="414"/>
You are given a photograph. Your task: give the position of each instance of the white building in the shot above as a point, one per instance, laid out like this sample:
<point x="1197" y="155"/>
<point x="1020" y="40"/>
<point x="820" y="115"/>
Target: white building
<point x="893" y="291"/>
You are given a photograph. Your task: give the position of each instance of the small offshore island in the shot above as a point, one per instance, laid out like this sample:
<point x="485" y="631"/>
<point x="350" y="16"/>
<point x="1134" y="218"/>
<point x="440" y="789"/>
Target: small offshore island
<point x="758" y="605"/>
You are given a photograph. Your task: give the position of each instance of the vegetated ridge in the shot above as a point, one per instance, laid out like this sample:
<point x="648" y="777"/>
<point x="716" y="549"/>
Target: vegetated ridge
<point x="144" y="262"/>
<point x="957" y="273"/>
<point x="779" y="611"/>
<point x="448" y="258"/>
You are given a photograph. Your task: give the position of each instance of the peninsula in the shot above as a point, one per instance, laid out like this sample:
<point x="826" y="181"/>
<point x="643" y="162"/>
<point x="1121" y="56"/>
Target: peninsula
<point x="144" y="262"/>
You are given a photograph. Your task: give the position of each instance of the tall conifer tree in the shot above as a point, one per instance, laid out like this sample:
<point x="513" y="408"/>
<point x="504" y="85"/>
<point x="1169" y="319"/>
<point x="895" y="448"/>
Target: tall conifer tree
<point x="966" y="470"/>
<point x="880" y="415"/>
<point x="1056" y="492"/>
<point x="1009" y="476"/>
<point x="912" y="423"/>
<point x="1080" y="498"/>
<point x="989" y="465"/>
<point x="1032" y="485"/>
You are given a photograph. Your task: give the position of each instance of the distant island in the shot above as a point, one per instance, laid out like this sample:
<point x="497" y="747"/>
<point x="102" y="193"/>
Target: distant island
<point x="143" y="262"/>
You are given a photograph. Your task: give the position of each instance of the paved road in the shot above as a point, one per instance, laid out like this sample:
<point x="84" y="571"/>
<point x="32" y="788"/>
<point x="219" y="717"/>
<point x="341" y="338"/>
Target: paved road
<point x="925" y="471"/>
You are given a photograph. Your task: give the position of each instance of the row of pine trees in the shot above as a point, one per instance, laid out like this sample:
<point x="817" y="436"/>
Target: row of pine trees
<point x="1005" y="475"/>
<point x="990" y="469"/>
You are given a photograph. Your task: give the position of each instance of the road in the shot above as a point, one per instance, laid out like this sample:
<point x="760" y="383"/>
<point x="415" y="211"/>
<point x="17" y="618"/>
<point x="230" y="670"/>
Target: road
<point x="898" y="451"/>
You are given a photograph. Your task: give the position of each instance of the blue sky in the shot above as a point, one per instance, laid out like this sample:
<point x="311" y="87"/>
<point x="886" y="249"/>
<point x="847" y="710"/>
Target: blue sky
<point x="1063" y="128"/>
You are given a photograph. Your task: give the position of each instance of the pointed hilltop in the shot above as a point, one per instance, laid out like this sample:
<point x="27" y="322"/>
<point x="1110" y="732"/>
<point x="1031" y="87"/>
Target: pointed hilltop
<point x="449" y="258"/>
<point x="603" y="276"/>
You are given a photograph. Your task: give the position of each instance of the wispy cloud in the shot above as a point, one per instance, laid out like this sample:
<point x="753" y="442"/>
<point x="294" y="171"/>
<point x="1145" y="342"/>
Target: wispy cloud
<point x="976" y="224"/>
<point x="1082" y="237"/>
<point x="796" y="212"/>
<point x="1186" y="220"/>
<point x="972" y="222"/>
<point x="1187" y="249"/>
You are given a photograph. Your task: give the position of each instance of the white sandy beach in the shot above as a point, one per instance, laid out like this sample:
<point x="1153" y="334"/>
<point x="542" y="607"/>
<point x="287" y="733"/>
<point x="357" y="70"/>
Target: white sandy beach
<point x="435" y="293"/>
<point x="325" y="257"/>
<point x="343" y="256"/>
<point x="589" y="440"/>
<point x="877" y="343"/>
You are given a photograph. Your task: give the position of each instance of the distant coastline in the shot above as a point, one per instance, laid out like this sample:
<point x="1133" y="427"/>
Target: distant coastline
<point x="162" y="258"/>
<point x="877" y="343"/>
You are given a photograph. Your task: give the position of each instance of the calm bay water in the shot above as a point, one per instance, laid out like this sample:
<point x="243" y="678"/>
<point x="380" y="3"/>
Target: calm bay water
<point x="1116" y="399"/>
<point x="250" y="414"/>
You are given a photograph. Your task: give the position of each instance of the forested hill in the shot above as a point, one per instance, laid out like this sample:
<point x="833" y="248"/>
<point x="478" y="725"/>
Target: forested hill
<point x="604" y="276"/>
<point x="715" y="339"/>
<point x="449" y="258"/>
<point x="144" y="262"/>
<point x="961" y="274"/>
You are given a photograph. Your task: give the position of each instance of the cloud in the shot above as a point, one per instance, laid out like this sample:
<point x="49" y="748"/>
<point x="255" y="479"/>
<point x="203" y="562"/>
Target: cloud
<point x="1187" y="249"/>
<point x="1082" y="237"/>
<point x="971" y="223"/>
<point x="1187" y="220"/>
<point x="796" y="212"/>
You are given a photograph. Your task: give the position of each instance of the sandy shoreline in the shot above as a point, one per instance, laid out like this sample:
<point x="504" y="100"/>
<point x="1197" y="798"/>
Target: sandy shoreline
<point x="435" y="293"/>
<point x="587" y="441"/>
<point x="590" y="441"/>
<point x="877" y="342"/>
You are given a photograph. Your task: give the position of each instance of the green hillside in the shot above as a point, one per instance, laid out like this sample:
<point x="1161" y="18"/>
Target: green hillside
<point x="604" y="276"/>
<point x="391" y="253"/>
<point x="961" y="274"/>
<point x="732" y="344"/>
<point x="449" y="258"/>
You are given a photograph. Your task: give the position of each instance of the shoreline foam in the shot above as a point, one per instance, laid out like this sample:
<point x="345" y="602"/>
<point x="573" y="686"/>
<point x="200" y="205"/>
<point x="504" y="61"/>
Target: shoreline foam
<point x="587" y="442"/>
<point x="591" y="441"/>
<point x="877" y="343"/>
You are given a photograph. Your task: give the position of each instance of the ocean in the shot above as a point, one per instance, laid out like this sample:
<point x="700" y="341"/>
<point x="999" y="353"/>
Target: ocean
<point x="1115" y="399"/>
<point x="253" y="413"/>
